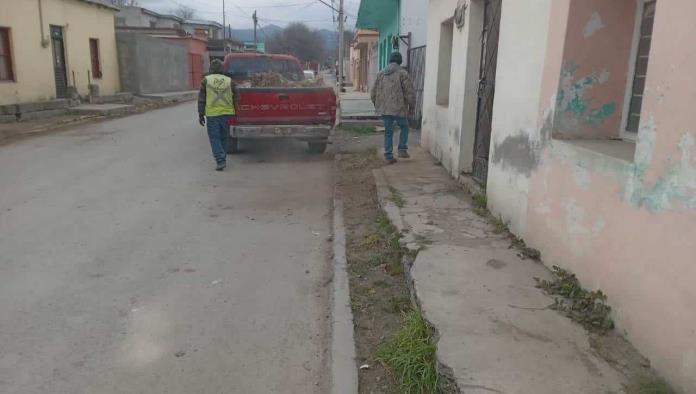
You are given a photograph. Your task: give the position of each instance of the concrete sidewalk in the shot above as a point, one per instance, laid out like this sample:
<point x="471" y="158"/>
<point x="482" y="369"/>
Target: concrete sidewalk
<point x="495" y="334"/>
<point x="356" y="104"/>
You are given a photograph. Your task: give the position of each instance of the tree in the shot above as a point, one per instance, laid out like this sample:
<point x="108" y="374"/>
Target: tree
<point x="298" y="40"/>
<point x="124" y="3"/>
<point x="185" y="12"/>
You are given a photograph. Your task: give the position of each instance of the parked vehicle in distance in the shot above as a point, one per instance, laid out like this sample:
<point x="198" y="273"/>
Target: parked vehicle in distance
<point x="303" y="113"/>
<point x="309" y="74"/>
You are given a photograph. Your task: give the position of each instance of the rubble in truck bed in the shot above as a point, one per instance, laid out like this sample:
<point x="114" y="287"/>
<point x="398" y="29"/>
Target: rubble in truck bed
<point x="275" y="80"/>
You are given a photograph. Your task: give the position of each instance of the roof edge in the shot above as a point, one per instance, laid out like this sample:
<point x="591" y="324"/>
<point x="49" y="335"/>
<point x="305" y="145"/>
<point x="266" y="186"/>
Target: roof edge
<point x="102" y="4"/>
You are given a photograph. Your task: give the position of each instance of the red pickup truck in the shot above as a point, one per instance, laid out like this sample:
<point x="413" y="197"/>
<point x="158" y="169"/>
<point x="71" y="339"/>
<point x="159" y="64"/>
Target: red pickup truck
<point x="304" y="113"/>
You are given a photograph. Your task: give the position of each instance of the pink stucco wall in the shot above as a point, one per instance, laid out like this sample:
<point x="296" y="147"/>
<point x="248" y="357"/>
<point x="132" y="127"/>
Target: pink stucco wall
<point x="625" y="226"/>
<point x="596" y="51"/>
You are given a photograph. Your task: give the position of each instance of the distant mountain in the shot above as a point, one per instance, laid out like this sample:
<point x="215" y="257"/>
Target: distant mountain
<point x="329" y="37"/>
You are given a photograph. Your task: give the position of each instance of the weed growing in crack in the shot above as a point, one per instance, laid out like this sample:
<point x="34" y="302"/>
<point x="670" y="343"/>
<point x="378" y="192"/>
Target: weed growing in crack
<point x="480" y="202"/>
<point x="588" y="308"/>
<point x="410" y="356"/>
<point x="525" y="251"/>
<point x="500" y="225"/>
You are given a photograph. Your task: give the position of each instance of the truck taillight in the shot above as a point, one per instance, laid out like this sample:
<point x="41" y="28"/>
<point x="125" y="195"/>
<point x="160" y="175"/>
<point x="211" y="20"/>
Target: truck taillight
<point x="232" y="121"/>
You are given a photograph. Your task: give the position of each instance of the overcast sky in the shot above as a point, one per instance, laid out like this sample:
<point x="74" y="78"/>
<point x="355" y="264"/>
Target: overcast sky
<point x="277" y="12"/>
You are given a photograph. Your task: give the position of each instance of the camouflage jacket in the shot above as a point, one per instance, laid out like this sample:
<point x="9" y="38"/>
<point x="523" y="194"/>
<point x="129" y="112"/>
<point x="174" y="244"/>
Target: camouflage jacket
<point x="393" y="92"/>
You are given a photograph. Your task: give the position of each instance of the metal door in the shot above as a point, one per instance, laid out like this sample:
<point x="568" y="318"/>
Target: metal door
<point x="59" y="66"/>
<point x="486" y="88"/>
<point x="417" y="71"/>
<point x="195" y="70"/>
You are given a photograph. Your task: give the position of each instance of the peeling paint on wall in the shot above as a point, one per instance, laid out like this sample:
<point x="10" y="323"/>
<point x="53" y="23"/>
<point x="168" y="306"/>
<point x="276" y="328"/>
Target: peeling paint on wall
<point x="594" y="24"/>
<point x="582" y="177"/>
<point x="572" y="99"/>
<point x="676" y="185"/>
<point x="646" y="143"/>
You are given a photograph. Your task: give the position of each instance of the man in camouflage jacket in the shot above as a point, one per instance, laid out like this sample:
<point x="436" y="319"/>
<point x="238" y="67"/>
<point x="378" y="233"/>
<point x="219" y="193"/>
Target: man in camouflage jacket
<point x="393" y="96"/>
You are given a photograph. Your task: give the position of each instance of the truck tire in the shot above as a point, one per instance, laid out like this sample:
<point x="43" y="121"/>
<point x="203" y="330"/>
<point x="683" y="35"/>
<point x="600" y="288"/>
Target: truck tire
<point x="232" y="145"/>
<point x="317" y="147"/>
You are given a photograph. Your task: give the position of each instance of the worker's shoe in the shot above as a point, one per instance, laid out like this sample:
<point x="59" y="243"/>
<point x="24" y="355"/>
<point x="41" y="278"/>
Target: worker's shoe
<point x="404" y="154"/>
<point x="389" y="160"/>
<point x="221" y="165"/>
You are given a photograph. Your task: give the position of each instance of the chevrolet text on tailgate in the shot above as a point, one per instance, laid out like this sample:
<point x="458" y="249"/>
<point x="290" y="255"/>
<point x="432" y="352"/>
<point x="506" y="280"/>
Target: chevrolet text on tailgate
<point x="304" y="113"/>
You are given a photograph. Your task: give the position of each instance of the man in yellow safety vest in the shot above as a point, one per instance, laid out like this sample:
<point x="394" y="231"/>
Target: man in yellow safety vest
<point x="216" y="103"/>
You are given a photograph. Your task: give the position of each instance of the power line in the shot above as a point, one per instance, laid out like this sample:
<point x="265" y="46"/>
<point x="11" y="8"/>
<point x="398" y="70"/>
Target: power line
<point x="280" y="5"/>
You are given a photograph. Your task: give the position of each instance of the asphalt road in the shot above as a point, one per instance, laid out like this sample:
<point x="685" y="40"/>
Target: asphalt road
<point x="127" y="265"/>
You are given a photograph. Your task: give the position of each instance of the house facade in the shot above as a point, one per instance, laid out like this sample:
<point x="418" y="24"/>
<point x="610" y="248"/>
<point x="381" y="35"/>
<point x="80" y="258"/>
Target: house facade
<point x="402" y="26"/>
<point x="134" y="16"/>
<point x="360" y="60"/>
<point x="56" y="48"/>
<point x="381" y="16"/>
<point x="577" y="120"/>
<point x="202" y="28"/>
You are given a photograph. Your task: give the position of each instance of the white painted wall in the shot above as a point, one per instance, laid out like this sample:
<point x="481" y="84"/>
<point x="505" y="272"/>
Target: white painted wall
<point x="414" y="20"/>
<point x="448" y="131"/>
<point x="524" y="28"/>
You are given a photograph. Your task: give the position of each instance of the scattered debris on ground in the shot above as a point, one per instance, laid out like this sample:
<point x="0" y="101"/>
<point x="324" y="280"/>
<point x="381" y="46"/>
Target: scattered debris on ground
<point x="588" y="308"/>
<point x="385" y="323"/>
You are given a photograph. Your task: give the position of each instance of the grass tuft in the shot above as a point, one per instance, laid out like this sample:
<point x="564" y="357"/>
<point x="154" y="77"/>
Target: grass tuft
<point x="396" y="197"/>
<point x="480" y="202"/>
<point x="410" y="356"/>
<point x="360" y="130"/>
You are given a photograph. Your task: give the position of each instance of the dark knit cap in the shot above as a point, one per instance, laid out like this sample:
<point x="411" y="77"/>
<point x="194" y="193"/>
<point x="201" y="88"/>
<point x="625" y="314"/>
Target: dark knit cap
<point x="395" y="57"/>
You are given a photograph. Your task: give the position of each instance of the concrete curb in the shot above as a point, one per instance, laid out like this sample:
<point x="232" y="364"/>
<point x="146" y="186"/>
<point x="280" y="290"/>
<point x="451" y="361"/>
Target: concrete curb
<point x="344" y="371"/>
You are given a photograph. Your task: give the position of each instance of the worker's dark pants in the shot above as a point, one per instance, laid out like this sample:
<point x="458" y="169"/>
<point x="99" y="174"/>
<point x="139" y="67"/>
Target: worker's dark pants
<point x="218" y="134"/>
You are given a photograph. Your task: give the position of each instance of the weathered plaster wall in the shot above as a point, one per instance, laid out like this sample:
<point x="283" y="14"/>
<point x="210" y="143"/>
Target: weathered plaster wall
<point x="521" y="51"/>
<point x="135" y="17"/>
<point x="33" y="64"/>
<point x="152" y="65"/>
<point x="414" y="19"/>
<point x="623" y="224"/>
<point x="448" y="130"/>
<point x="597" y="48"/>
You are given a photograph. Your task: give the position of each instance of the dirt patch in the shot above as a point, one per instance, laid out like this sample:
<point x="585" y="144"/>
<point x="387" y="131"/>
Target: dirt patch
<point x="379" y="296"/>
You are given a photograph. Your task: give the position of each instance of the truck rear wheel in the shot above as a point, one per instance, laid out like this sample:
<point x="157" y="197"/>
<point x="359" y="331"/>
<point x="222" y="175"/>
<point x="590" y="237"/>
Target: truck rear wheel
<point x="317" y="147"/>
<point x="232" y="145"/>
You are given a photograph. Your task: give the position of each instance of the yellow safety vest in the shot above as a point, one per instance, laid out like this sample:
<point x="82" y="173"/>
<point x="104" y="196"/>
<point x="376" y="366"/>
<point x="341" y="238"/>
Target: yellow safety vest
<point x="218" y="95"/>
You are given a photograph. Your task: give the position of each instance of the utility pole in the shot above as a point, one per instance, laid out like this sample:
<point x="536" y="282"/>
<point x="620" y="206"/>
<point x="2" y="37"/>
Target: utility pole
<point x="224" y="32"/>
<point x="341" y="53"/>
<point x="256" y="22"/>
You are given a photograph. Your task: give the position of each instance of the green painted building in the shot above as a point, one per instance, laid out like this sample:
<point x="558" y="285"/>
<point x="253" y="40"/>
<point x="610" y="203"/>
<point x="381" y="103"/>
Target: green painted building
<point x="383" y="16"/>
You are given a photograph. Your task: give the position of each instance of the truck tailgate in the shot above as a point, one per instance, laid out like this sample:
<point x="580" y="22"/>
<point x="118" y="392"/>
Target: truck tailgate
<point x="286" y="106"/>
